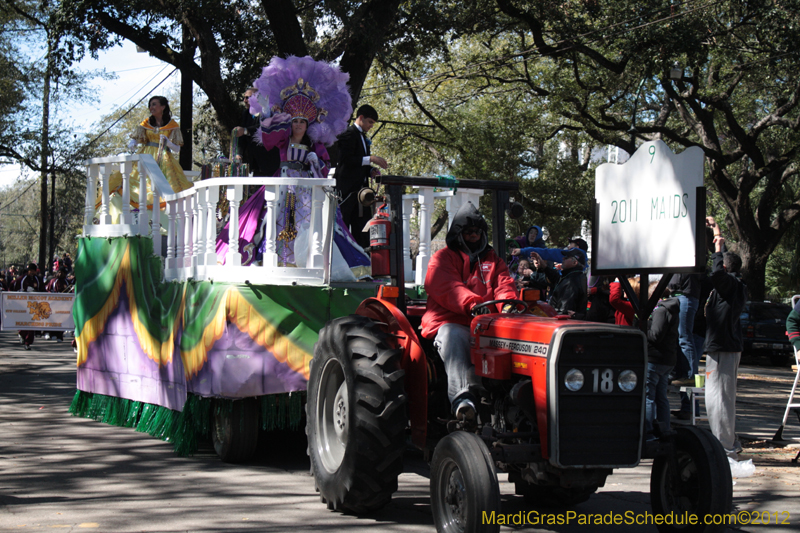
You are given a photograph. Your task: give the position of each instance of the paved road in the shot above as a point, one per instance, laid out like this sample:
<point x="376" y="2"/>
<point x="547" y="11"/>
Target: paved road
<point x="65" y="473"/>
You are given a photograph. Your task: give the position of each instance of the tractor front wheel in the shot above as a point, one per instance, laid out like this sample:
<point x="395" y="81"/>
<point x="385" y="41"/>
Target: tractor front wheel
<point x="463" y="485"/>
<point x="694" y="480"/>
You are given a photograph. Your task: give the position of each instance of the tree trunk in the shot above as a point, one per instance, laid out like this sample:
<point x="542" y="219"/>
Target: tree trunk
<point x="45" y="155"/>
<point x="189" y="47"/>
<point x="51" y="248"/>
<point x="285" y="27"/>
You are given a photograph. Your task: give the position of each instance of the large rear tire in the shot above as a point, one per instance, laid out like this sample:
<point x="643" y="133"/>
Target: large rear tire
<point x="697" y="482"/>
<point x="356" y="415"/>
<point x="235" y="429"/>
<point x="464" y="485"/>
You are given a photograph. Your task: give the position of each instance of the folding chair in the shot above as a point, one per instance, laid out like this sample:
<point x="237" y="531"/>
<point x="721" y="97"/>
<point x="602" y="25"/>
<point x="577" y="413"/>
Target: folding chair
<point x="789" y="405"/>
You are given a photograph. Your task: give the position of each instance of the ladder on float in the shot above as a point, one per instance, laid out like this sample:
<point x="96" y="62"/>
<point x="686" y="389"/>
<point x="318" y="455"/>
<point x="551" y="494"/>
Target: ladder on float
<point x="790" y="405"/>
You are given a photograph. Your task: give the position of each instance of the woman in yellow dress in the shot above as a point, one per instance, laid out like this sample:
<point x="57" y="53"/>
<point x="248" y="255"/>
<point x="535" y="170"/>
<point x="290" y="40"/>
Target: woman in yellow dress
<point x="160" y="136"/>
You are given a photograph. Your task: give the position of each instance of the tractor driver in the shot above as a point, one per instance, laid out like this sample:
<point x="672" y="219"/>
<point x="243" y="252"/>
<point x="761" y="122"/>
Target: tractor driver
<point x="464" y="274"/>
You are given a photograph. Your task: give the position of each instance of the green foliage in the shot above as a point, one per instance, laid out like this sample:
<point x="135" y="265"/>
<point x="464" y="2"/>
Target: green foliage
<point x="459" y="119"/>
<point x="559" y="76"/>
<point x="19" y="231"/>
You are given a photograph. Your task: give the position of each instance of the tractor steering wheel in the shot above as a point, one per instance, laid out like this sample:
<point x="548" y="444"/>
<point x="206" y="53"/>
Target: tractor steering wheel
<point x="519" y="308"/>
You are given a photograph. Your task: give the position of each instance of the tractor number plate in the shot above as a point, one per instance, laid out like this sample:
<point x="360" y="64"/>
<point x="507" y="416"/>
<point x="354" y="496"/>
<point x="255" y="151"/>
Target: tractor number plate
<point x="522" y="347"/>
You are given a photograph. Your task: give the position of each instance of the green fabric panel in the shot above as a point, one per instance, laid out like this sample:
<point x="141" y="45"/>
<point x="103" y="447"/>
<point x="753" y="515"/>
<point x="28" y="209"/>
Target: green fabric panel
<point x="158" y="303"/>
<point x="96" y="268"/>
<point x="298" y="312"/>
<point x="202" y="301"/>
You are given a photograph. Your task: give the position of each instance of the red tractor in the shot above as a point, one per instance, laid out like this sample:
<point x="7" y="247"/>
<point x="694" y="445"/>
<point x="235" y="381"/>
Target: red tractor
<point x="562" y="406"/>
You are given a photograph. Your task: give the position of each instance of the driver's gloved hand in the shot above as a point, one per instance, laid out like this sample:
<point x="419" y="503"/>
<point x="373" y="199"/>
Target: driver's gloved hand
<point x="507" y="308"/>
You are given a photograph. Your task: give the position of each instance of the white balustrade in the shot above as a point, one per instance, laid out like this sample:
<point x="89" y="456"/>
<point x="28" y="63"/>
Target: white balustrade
<point x="408" y="205"/>
<point x="425" y="217"/>
<point x="189" y="222"/>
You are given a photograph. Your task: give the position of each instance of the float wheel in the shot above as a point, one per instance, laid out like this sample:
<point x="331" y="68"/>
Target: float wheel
<point x="235" y="429"/>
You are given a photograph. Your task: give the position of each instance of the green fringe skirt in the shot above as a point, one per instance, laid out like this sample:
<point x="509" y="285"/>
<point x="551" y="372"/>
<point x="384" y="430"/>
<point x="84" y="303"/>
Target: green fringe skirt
<point x="184" y="428"/>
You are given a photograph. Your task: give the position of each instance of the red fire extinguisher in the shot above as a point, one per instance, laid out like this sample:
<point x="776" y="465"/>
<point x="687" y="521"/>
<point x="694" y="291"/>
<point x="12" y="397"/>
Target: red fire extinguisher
<point x="380" y="227"/>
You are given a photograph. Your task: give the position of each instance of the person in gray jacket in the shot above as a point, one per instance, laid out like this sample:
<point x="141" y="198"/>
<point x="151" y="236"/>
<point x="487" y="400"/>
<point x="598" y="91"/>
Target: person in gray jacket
<point x="723" y="346"/>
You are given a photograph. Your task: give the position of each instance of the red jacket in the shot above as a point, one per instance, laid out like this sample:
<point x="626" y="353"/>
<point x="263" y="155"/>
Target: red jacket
<point x="623" y="309"/>
<point x="454" y="288"/>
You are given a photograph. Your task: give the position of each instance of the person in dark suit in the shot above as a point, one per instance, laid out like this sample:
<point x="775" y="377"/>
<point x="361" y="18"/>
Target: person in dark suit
<point x="354" y="170"/>
<point x="262" y="162"/>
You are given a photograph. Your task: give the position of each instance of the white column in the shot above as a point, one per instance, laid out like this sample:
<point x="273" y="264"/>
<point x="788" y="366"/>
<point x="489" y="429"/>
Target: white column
<point x="105" y="172"/>
<point x="180" y="234"/>
<point x="315" y="258"/>
<point x="155" y="225"/>
<point x="126" y="168"/>
<point x="198" y="227"/>
<point x="92" y="173"/>
<point x="408" y="205"/>
<point x="425" y="214"/>
<point x="270" y="253"/>
<point x="144" y="221"/>
<point x="234" y="258"/>
<point x="171" y="214"/>
<point x="188" y="242"/>
<point x="452" y="206"/>
<point x="212" y="197"/>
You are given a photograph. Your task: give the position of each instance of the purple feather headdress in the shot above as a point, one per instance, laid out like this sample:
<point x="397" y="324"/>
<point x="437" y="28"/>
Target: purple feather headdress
<point x="303" y="87"/>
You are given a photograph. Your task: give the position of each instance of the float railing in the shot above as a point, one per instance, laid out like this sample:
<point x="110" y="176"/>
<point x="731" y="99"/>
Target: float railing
<point x="184" y="225"/>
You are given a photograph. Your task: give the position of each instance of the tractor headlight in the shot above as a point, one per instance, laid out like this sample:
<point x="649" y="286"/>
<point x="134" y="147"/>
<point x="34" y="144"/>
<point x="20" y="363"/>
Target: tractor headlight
<point x="627" y="380"/>
<point x="574" y="380"/>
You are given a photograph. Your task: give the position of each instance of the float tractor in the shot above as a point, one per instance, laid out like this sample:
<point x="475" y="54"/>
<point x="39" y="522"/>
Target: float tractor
<point x="561" y="406"/>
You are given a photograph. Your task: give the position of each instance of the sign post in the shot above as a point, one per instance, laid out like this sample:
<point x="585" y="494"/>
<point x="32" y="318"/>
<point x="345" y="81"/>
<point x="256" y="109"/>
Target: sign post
<point x="650" y="219"/>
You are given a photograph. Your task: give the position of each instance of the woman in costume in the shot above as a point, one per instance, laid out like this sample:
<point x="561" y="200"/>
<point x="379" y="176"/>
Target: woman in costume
<point x="160" y="136"/>
<point x="311" y="107"/>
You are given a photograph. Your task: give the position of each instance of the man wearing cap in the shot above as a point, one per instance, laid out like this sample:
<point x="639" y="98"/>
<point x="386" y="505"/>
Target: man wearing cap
<point x="29" y="283"/>
<point x="464" y="274"/>
<point x="570" y="294"/>
<point x="354" y="170"/>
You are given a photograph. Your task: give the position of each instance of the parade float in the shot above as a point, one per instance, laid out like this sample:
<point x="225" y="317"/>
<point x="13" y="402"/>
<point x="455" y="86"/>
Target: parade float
<point x="182" y="344"/>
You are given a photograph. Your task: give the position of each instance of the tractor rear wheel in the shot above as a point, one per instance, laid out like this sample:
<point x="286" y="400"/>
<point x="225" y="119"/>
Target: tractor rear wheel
<point x="694" y="480"/>
<point x="356" y="415"/>
<point x="463" y="485"/>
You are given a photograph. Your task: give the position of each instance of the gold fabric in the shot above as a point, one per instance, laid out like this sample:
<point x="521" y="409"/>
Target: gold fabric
<point x="145" y="133"/>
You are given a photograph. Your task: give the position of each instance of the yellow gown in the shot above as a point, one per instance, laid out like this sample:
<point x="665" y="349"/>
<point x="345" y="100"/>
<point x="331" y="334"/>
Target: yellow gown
<point x="148" y="137"/>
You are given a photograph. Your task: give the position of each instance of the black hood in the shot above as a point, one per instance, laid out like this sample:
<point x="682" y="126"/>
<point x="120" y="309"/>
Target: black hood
<point x="468" y="216"/>
<point x="673" y="305"/>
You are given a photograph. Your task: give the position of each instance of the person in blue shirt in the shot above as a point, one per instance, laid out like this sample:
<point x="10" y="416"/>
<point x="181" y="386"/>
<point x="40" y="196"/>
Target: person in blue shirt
<point x="555" y="255"/>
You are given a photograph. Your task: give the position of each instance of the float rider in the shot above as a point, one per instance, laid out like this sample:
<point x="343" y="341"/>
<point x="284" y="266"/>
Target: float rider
<point x="466" y="273"/>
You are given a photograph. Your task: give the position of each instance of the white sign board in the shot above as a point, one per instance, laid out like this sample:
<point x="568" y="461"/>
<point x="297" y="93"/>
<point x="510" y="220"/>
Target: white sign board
<point x="647" y="211"/>
<point x="41" y="311"/>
